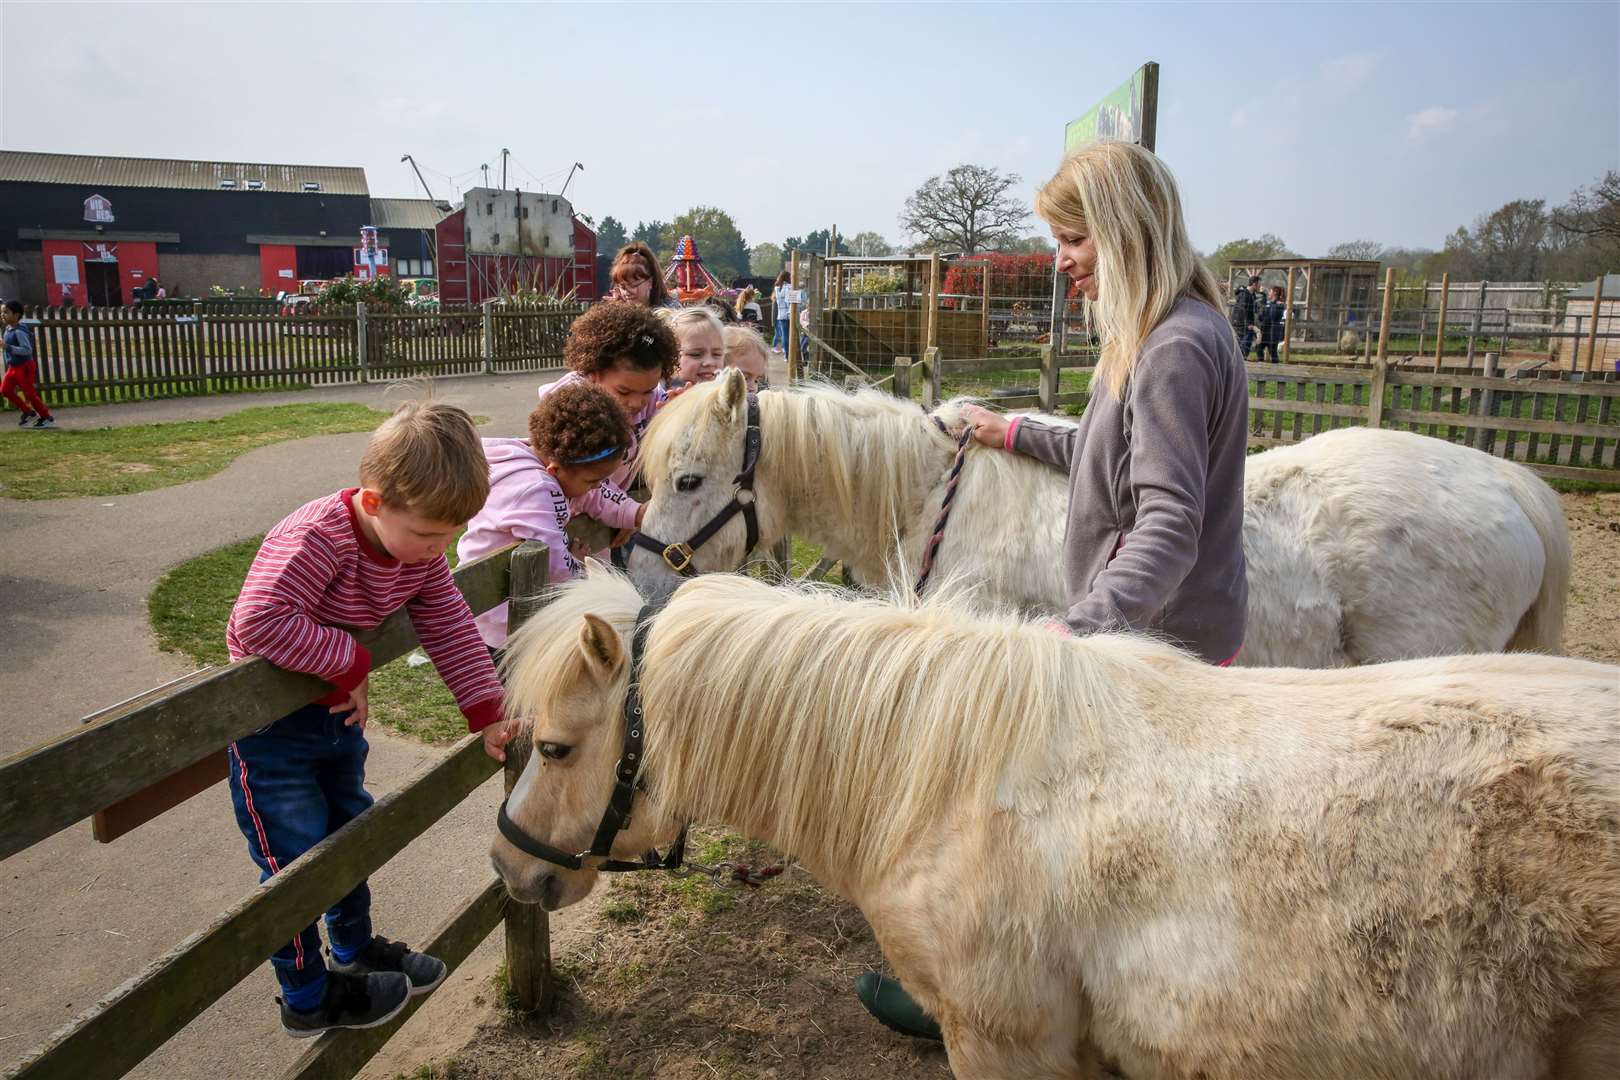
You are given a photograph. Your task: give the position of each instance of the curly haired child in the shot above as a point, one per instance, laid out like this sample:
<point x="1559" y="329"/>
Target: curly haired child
<point x="578" y="436"/>
<point x="627" y="351"/>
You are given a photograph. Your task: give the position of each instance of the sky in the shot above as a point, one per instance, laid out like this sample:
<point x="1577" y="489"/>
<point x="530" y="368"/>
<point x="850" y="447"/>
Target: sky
<point x="1317" y="122"/>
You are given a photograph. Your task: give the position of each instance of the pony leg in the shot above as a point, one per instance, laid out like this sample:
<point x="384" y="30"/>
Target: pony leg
<point x="977" y="1056"/>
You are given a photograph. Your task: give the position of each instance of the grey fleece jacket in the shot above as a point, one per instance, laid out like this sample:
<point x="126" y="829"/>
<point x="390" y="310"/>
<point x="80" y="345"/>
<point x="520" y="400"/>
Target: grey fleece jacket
<point x="1154" y="539"/>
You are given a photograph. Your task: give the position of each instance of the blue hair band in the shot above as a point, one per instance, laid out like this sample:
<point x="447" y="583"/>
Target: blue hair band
<point x="609" y="452"/>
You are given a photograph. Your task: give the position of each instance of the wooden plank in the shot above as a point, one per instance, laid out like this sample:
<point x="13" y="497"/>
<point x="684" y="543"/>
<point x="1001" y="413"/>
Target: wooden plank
<point x="144" y="1013"/>
<point x="1375" y="394"/>
<point x="1592" y="331"/>
<point x="1309" y="408"/>
<point x="1408" y="377"/>
<point x="1383" y="321"/>
<point x="50" y="786"/>
<point x="1304" y="372"/>
<point x="528" y="933"/>
<point x="125" y="815"/>
<point x="1500" y="423"/>
<point x="338" y="1055"/>
<point x="1573" y="472"/>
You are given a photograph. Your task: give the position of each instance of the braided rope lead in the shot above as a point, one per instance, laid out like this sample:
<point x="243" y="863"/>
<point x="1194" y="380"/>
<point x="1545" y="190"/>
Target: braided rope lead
<point x="944" y="508"/>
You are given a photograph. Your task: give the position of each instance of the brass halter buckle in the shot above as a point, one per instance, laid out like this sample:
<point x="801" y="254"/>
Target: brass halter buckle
<point x="685" y="553"/>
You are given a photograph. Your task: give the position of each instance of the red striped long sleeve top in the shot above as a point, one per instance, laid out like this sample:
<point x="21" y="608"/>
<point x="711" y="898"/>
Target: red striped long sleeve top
<point x="317" y="577"/>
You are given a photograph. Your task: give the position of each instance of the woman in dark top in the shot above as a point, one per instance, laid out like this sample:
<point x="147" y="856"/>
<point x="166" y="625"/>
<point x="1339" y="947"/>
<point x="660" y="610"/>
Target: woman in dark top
<point x="1154" y="534"/>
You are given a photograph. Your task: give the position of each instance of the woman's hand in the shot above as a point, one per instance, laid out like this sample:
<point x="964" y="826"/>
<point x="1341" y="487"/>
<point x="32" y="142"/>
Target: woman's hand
<point x="989" y="428"/>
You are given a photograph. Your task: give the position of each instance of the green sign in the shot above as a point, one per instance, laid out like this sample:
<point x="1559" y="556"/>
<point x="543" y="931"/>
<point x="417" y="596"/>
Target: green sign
<point x="1128" y="113"/>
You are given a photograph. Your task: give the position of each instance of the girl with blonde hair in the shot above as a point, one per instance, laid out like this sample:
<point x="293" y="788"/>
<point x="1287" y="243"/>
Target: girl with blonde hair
<point x="1153" y="539"/>
<point x="701" y="337"/>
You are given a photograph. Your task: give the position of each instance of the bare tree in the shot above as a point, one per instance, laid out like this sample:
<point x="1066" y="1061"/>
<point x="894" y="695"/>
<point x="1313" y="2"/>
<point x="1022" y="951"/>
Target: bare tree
<point x="1356" y="249"/>
<point x="1593" y="212"/>
<point x="968" y="210"/>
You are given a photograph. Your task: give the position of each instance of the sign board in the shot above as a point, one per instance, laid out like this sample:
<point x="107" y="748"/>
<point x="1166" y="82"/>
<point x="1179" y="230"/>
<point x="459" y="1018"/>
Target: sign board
<point x="98" y="208"/>
<point x="1128" y="112"/>
<point x="65" y="269"/>
<point x="100" y="251"/>
<point x="369" y="259"/>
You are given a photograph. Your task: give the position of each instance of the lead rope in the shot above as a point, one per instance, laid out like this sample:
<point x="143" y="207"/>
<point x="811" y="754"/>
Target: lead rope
<point x="945" y="505"/>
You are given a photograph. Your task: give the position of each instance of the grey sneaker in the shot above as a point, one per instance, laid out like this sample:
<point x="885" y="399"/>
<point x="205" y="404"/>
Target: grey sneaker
<point x="424" y="971"/>
<point x="43" y="423"/>
<point x="28" y="414"/>
<point x="352" y="1001"/>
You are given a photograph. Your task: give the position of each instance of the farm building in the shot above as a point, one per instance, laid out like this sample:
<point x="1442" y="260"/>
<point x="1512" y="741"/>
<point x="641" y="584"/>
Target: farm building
<point x="498" y="242"/>
<point x="1329" y="294"/>
<point x="407" y="228"/>
<point x="1578" y="319"/>
<point x="102" y="226"/>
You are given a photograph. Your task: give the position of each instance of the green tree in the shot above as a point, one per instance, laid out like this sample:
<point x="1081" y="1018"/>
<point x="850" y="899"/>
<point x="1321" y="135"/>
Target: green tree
<point x="1356" y="249"/>
<point x="720" y="243"/>
<point x="969" y="209"/>
<point x="1508" y="244"/>
<point x="868" y="243"/>
<point x="1028" y="245"/>
<point x="816" y="243"/>
<point x="765" y="260"/>
<point x="610" y="236"/>
<point x="1245" y="250"/>
<point x="651" y="233"/>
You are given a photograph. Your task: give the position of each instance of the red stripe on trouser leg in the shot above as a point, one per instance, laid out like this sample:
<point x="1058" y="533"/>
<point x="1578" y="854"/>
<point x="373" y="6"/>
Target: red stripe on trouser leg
<point x="264" y="842"/>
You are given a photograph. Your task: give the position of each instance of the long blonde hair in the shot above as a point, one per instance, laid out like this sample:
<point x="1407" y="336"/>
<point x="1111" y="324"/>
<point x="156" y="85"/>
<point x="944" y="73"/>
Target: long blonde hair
<point x="1125" y="199"/>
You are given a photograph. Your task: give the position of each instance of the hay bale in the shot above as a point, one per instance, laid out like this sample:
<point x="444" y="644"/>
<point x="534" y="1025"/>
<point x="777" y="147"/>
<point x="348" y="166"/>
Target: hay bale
<point x="1349" y="341"/>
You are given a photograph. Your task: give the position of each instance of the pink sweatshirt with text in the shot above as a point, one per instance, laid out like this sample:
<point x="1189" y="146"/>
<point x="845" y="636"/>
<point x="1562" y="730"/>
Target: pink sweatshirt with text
<point x="608" y="503"/>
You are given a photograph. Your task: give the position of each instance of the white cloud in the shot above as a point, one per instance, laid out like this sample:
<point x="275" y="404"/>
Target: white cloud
<point x="1435" y="118"/>
<point x="1344" y="74"/>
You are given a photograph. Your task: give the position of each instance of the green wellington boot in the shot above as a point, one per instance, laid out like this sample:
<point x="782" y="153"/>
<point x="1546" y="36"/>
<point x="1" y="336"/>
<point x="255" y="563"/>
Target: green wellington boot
<point x="887" y="1000"/>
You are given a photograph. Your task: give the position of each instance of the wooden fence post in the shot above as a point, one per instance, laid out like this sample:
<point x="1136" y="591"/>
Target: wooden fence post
<point x="1288" y="316"/>
<point x="528" y="933"/>
<point x="1049" y="380"/>
<point x="362" y="339"/>
<point x="488" y="327"/>
<point x="793" y="321"/>
<point x="1484" y="404"/>
<point x="901" y="384"/>
<point x="1592" y="331"/>
<point x="931" y="397"/>
<point x="984" y="313"/>
<point x="1383" y="319"/>
<point x="1375" y="393"/>
<point x="818" y="267"/>
<point x="933" y="302"/>
<point x="199" y="349"/>
<point x="1474" y="326"/>
<point x="1423" y="318"/>
<point x="1440" y="333"/>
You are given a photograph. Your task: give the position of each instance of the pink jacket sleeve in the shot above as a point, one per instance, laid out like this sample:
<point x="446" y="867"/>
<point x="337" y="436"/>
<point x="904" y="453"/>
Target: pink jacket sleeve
<point x="541" y="513"/>
<point x="608" y="504"/>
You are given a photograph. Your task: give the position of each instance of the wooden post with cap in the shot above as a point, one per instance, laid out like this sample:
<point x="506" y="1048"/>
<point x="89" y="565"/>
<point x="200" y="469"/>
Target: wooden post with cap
<point x="793" y="320"/>
<point x="528" y="932"/>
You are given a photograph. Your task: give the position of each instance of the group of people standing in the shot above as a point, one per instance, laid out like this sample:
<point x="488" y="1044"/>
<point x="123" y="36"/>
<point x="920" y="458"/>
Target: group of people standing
<point x="1258" y="318"/>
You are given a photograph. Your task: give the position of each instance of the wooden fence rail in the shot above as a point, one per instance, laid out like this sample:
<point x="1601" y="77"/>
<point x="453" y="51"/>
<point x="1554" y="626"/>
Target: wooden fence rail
<point x="95" y="355"/>
<point x="142" y="743"/>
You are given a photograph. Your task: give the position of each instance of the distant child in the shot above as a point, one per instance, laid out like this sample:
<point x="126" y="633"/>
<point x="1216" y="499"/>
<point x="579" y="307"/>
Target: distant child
<point x="22" y="371"/>
<point x="701" y="337"/>
<point x="578" y="436"/>
<point x="746" y="350"/>
<point x="350" y="560"/>
<point x="748" y="307"/>
<point x="628" y="351"/>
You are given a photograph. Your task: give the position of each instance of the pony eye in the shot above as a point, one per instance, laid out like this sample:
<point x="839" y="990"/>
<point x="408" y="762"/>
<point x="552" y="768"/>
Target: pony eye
<point x="688" y="482"/>
<point x="554" y="751"/>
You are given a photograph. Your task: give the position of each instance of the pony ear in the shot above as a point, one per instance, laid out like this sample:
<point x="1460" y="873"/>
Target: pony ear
<point x="599" y="647"/>
<point x="728" y="403"/>
<point x="593" y="566"/>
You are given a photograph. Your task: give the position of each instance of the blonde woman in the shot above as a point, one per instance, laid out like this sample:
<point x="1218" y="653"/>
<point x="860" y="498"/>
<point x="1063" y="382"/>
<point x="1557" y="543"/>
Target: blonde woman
<point x="1153" y="540"/>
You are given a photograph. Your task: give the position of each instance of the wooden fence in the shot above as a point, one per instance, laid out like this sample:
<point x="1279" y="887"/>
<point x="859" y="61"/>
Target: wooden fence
<point x="1561" y="424"/>
<point x="143" y="756"/>
<point x="96" y="355"/>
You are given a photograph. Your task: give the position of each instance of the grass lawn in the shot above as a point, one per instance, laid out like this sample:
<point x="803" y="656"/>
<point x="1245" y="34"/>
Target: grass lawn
<point x="123" y="460"/>
<point x="190" y="604"/>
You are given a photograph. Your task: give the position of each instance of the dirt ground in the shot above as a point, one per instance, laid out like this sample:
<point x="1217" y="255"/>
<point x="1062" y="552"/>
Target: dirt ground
<point x="681" y="980"/>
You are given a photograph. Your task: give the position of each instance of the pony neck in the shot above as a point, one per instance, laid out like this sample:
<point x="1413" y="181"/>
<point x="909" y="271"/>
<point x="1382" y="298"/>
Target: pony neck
<point x="850" y="472"/>
<point x="848" y="733"/>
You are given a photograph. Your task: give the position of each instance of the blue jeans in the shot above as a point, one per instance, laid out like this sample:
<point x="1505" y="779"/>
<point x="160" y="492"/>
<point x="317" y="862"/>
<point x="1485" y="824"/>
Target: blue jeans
<point x="293" y="784"/>
<point x="780" y="341"/>
<point x="1246" y="343"/>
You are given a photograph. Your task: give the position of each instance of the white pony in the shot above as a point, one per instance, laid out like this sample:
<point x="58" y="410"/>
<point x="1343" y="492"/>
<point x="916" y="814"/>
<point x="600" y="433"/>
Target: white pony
<point x="1074" y="850"/>
<point x="1363" y="545"/>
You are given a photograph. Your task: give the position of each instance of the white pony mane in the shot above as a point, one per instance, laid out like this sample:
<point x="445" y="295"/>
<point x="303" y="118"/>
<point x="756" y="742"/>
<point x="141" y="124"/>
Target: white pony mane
<point x="869" y="458"/>
<point x="849" y="727"/>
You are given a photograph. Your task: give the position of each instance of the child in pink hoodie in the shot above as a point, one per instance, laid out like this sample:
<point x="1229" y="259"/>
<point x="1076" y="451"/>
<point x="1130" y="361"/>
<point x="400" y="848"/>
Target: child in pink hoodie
<point x="578" y="437"/>
<point x="627" y="351"/>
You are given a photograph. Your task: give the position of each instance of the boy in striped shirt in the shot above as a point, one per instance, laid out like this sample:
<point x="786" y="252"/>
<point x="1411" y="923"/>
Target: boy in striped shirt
<point x="341" y="563"/>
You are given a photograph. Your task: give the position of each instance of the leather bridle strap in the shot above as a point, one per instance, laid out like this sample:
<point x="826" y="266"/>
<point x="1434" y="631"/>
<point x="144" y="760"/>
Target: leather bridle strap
<point x="626" y="782"/>
<point x="678" y="556"/>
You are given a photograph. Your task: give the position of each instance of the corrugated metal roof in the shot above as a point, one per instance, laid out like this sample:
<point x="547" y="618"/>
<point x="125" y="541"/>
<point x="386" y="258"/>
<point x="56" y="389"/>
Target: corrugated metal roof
<point x="405" y="213"/>
<point x="1611" y="290"/>
<point x="92" y="170"/>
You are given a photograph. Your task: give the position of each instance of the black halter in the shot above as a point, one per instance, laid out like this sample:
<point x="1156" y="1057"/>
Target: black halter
<point x="626" y="782"/>
<point x="678" y="556"/>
